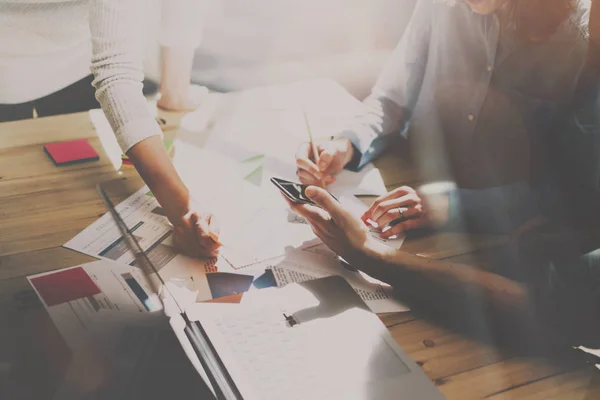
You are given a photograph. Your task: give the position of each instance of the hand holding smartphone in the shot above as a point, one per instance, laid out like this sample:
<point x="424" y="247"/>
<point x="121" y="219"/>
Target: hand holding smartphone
<point x="295" y="192"/>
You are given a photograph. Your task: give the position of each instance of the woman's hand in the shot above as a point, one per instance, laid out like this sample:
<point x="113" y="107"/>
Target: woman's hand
<point x="338" y="228"/>
<point x="405" y="210"/>
<point x="197" y="234"/>
<point x="333" y="156"/>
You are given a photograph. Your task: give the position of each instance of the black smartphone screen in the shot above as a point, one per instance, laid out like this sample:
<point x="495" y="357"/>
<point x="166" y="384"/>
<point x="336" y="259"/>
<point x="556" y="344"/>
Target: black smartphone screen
<point x="293" y="191"/>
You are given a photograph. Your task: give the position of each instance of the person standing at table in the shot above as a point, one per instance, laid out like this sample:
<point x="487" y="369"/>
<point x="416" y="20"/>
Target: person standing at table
<point x="488" y="88"/>
<point x="45" y="52"/>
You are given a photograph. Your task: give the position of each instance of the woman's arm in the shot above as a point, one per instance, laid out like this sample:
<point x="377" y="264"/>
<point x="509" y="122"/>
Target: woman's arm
<point x="117" y="66"/>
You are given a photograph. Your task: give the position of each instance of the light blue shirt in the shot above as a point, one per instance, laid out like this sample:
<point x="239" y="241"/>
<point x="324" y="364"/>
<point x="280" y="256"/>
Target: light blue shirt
<point x="484" y="109"/>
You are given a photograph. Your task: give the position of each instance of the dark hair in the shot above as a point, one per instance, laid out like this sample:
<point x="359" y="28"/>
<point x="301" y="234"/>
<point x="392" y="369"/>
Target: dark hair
<point x="538" y="19"/>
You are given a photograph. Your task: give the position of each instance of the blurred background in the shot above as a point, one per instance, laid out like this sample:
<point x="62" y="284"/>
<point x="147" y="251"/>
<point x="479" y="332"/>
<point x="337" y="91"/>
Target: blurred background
<point x="251" y="43"/>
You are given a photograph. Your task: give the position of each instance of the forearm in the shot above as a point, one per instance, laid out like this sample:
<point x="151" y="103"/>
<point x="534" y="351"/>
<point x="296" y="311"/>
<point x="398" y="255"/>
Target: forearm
<point x="157" y="170"/>
<point x="420" y="277"/>
<point x="466" y="296"/>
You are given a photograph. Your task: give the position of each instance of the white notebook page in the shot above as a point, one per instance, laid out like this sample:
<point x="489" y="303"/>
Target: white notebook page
<point x="339" y="357"/>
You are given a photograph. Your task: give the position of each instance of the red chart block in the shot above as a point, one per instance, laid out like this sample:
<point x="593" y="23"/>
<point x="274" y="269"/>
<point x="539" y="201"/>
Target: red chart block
<point x="63" y="286"/>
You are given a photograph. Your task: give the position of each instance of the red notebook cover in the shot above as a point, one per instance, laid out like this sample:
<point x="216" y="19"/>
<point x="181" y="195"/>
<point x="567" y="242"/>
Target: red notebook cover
<point x="70" y="152"/>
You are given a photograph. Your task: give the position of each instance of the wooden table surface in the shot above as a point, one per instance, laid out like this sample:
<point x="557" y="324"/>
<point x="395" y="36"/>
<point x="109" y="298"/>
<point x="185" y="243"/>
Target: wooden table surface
<point x="43" y="206"/>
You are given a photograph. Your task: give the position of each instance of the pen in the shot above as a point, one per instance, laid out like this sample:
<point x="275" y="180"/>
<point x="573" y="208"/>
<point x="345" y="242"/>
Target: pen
<point x="313" y="146"/>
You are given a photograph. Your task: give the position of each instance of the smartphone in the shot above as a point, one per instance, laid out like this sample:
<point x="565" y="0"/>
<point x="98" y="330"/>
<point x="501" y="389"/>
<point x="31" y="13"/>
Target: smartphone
<point x="295" y="192"/>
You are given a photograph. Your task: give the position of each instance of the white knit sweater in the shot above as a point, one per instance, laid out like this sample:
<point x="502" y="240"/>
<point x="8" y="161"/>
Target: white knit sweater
<point x="46" y="45"/>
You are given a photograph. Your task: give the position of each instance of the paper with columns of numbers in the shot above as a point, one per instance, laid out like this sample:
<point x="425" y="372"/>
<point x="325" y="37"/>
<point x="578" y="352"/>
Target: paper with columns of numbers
<point x="308" y="264"/>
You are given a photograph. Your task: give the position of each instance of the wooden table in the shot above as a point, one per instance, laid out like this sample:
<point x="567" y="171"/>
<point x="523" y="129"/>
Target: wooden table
<point x="43" y="206"/>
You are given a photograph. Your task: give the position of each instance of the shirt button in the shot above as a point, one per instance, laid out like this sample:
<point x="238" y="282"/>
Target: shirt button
<point x="471" y="117"/>
<point x="490" y="68"/>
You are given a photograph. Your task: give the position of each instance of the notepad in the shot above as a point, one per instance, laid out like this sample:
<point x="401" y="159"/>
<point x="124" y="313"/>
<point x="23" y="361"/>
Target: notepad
<point x="334" y="349"/>
<point x="71" y="152"/>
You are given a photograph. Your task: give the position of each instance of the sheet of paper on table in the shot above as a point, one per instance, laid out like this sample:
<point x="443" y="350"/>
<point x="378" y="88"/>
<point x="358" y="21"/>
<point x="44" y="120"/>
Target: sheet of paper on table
<point x="595" y="352"/>
<point x="334" y="333"/>
<point x="317" y="262"/>
<point x="253" y="221"/>
<point x="143" y="215"/>
<point x="97" y="301"/>
<point x="257" y="237"/>
<point x="263" y="140"/>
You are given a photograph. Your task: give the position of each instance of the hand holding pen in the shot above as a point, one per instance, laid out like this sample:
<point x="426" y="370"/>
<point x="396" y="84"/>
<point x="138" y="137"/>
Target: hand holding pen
<point x="317" y="164"/>
<point x="197" y="234"/>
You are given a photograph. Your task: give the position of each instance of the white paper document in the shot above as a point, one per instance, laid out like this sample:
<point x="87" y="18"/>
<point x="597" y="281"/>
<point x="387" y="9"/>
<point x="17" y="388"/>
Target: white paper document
<point x="595" y="352"/>
<point x="305" y="265"/>
<point x="300" y="371"/>
<point x="96" y="302"/>
<point x="264" y="141"/>
<point x="254" y="229"/>
<point x="143" y="215"/>
<point x="261" y="236"/>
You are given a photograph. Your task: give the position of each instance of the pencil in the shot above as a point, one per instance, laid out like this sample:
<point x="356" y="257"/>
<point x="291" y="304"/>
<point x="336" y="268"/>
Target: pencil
<point x="215" y="238"/>
<point x="313" y="146"/>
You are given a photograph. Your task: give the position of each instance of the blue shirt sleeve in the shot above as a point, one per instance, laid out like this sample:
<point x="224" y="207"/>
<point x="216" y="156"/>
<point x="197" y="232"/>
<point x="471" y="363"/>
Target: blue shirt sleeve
<point x="388" y="108"/>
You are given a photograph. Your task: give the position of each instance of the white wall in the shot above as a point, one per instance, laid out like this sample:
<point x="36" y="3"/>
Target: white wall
<point x="256" y="42"/>
<point x="248" y="43"/>
<point x="151" y="19"/>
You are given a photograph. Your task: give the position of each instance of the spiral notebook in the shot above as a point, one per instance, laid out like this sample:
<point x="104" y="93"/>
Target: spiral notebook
<point x="312" y="340"/>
